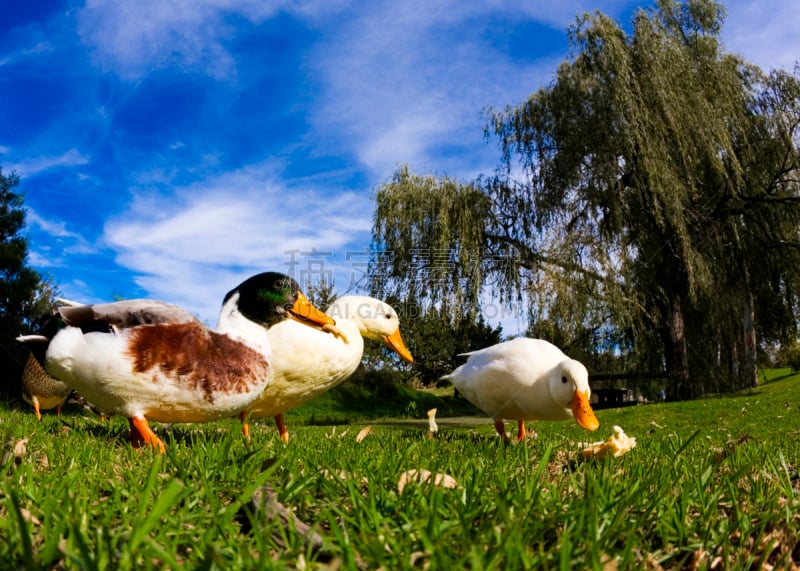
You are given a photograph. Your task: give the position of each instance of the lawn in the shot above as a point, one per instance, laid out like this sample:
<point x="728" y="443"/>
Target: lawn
<point x="711" y="484"/>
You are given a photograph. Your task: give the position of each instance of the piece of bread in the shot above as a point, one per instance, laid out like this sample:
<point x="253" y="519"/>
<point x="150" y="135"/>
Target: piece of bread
<point x="616" y="445"/>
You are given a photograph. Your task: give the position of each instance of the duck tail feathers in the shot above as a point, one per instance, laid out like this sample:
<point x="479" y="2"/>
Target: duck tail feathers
<point x="81" y="316"/>
<point x="32" y="339"/>
<point x="67" y="302"/>
<point x="37" y="345"/>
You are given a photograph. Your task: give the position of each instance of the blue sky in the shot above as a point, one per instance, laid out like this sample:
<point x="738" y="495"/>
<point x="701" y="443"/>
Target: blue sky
<point x="169" y="149"/>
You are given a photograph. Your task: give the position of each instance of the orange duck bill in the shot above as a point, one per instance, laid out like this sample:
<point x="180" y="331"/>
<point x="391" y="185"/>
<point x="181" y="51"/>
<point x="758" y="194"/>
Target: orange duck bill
<point x="582" y="410"/>
<point x="303" y="311"/>
<point x="395" y="343"/>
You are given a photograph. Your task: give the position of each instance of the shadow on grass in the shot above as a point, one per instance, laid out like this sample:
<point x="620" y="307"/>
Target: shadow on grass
<point x="107" y="431"/>
<point x="325" y="421"/>
<point x="117" y="430"/>
<point x="782" y="377"/>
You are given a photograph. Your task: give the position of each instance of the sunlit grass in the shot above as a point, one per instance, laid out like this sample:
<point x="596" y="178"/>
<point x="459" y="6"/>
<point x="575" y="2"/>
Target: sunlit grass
<point x="711" y="484"/>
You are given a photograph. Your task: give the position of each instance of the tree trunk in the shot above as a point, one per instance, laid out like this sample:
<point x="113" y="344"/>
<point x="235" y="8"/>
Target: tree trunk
<point x="677" y="357"/>
<point x="733" y="364"/>
<point x="716" y="353"/>
<point x="716" y="363"/>
<point x="749" y="371"/>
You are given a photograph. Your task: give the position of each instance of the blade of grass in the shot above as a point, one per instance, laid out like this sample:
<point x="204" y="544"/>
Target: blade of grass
<point x="24" y="532"/>
<point x="166" y="499"/>
<point x="687" y="442"/>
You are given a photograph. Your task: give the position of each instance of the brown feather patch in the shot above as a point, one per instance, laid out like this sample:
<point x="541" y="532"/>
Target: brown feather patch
<point x="192" y="354"/>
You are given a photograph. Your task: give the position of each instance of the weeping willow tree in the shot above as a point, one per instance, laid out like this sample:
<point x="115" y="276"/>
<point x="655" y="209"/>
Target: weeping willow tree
<point x="641" y="194"/>
<point x="443" y="243"/>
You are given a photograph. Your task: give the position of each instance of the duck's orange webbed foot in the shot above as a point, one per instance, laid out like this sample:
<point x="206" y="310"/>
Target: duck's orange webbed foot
<point x="281" y="424"/>
<point x="500" y="427"/>
<point x="142" y="434"/>
<point x="245" y="416"/>
<point x="521" y="434"/>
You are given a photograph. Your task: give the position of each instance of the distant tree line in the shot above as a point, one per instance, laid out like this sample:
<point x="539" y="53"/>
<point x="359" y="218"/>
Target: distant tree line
<point x="645" y="211"/>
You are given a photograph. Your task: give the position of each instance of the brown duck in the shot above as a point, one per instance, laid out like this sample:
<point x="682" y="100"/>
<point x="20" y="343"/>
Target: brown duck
<point x="42" y="390"/>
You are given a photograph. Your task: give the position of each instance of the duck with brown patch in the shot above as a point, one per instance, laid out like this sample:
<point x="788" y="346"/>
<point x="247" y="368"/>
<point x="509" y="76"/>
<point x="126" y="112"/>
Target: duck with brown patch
<point x="150" y="360"/>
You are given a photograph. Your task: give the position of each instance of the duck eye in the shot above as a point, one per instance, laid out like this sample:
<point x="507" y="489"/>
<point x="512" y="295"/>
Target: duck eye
<point x="387" y="316"/>
<point x="564" y="380"/>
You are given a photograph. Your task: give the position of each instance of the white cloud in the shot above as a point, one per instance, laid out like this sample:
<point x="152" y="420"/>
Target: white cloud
<point x="61" y="241"/>
<point x="38" y="260"/>
<point x="26" y="54"/>
<point x="764" y="34"/>
<point x="134" y="37"/>
<point x="54" y="229"/>
<point x="557" y="15"/>
<point x="30" y="167"/>
<point x="192" y="246"/>
<point x="404" y="83"/>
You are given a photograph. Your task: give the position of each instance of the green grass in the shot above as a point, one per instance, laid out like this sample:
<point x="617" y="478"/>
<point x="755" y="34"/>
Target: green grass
<point x="711" y="484"/>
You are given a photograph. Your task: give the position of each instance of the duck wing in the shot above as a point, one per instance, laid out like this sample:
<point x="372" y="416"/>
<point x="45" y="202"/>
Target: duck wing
<point x="123" y="314"/>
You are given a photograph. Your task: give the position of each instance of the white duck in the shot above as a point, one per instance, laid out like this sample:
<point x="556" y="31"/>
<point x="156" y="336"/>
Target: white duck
<point x="306" y="363"/>
<point x="525" y="379"/>
<point x="152" y="360"/>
